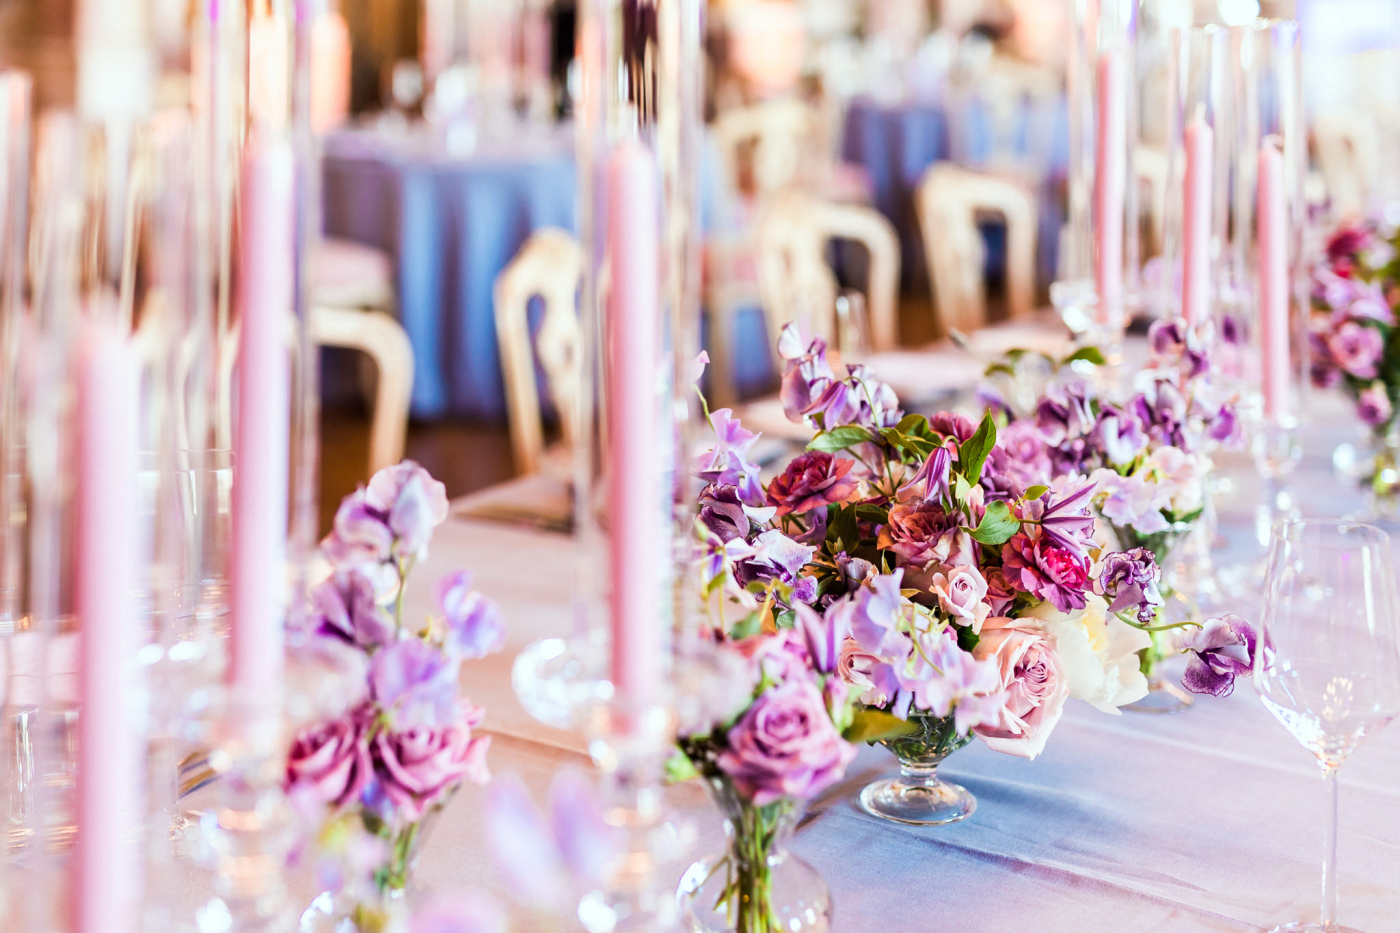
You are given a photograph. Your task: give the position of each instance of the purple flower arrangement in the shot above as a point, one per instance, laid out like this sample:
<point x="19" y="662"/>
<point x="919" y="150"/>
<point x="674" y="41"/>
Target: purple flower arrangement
<point x="1353" y="339"/>
<point x="384" y="767"/>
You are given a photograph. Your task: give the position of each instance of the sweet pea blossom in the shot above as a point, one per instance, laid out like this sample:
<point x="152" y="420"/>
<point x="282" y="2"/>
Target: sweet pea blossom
<point x="940" y="678"/>
<point x="359" y="534"/>
<point x="462" y="911"/>
<point x="806" y="373"/>
<point x="1119" y="435"/>
<point x="774" y="555"/>
<point x="475" y="627"/>
<point x="1097" y="653"/>
<point x="1131" y="501"/>
<point x="1221" y="650"/>
<point x="415" y="683"/>
<point x="1129" y="581"/>
<point x="874" y="615"/>
<point x="727" y="463"/>
<point x="412" y="503"/>
<point x="345" y="606"/>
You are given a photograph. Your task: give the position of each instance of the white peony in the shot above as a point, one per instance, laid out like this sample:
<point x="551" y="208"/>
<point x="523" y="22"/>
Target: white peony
<point x="1098" y="653"/>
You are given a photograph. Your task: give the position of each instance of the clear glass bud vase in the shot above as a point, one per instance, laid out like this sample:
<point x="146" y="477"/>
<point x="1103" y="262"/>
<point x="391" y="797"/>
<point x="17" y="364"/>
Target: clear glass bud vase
<point x="756" y="885"/>
<point x="918" y="795"/>
<point x="1382" y="476"/>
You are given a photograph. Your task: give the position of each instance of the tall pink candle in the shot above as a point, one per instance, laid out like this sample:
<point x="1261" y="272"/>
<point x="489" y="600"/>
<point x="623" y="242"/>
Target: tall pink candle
<point x="1196" y="191"/>
<point x="638" y="546"/>
<point x="1110" y="184"/>
<point x="259" y="513"/>
<point x="105" y="893"/>
<point x="1273" y="278"/>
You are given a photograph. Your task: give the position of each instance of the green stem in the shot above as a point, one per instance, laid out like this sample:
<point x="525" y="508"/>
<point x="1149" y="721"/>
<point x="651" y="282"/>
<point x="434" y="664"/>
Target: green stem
<point x="405" y="567"/>
<point x="1128" y="620"/>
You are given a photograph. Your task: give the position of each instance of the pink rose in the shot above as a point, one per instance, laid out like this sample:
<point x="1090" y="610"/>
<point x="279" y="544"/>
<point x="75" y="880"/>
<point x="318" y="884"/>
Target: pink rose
<point x="923" y="533"/>
<point x="1031" y="677"/>
<point x="331" y="762"/>
<point x="419" y="764"/>
<point x="785" y="746"/>
<point x="854" y="666"/>
<point x="962" y="592"/>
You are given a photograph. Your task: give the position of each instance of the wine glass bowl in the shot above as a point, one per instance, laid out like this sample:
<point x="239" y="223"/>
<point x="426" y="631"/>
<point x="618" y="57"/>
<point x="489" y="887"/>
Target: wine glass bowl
<point x="1327" y="665"/>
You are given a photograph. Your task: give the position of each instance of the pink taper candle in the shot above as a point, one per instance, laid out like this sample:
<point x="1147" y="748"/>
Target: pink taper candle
<point x="260" y="435"/>
<point x="638" y="546"/>
<point x="1196" y="190"/>
<point x="1110" y="185"/>
<point x="1273" y="279"/>
<point x="105" y="889"/>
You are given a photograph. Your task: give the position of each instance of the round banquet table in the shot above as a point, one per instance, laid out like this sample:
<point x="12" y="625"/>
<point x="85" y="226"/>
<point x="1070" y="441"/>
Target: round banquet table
<point x="1207" y="820"/>
<point x="896" y="143"/>
<point x="451" y="223"/>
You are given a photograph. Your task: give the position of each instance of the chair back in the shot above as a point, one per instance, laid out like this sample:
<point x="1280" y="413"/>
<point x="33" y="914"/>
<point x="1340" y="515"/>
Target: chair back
<point x="795" y="280"/>
<point x="949" y="201"/>
<point x="549" y="265"/>
<point x="1348" y="153"/>
<point x="776" y="131"/>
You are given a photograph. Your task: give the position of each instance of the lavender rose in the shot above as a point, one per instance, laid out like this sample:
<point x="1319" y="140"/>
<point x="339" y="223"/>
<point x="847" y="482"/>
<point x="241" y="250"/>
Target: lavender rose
<point x="813" y="480"/>
<point x="331" y="762"/>
<point x="923" y="532"/>
<point x="417" y="765"/>
<point x="1031" y="677"/>
<point x="1222" y="650"/>
<point x="962" y="592"/>
<point x="1129" y="581"/>
<point x="1373" y="404"/>
<point x="1047" y="572"/>
<point x="785" y="746"/>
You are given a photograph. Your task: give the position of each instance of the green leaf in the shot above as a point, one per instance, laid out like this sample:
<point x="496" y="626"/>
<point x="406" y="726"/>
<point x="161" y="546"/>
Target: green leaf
<point x="843" y="528"/>
<point x="785" y="619"/>
<point x="1091" y="354"/>
<point x="967" y="638"/>
<point x="680" y="768"/>
<point x="847" y="435"/>
<point x="901" y="441"/>
<point x="961" y="487"/>
<point x="997" y="526"/>
<point x="973" y="452"/>
<point x="747" y="627"/>
<point x="1000" y="368"/>
<point x="872" y="725"/>
<point x="917" y="426"/>
<point x="1035" y="492"/>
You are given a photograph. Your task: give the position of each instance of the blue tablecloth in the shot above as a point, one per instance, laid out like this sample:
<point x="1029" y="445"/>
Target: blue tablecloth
<point x="897" y="143"/>
<point x="452" y="225"/>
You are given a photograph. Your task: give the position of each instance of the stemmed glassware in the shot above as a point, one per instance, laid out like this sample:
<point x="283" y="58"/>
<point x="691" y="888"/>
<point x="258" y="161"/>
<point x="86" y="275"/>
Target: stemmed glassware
<point x="1328" y="661"/>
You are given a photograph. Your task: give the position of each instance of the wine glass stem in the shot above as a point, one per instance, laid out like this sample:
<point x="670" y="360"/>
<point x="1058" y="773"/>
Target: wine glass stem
<point x="1329" y="854"/>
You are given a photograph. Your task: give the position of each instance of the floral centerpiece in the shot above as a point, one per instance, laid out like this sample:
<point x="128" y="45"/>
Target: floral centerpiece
<point x="1147" y="457"/>
<point x="1354" y="341"/>
<point x="378" y="774"/>
<point x="906" y="580"/>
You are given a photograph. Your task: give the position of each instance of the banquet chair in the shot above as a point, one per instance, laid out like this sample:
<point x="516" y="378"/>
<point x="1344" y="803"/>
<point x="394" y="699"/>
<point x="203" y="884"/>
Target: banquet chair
<point x="949" y="200"/>
<point x="550" y="266"/>
<point x="1348" y="154"/>
<point x="797" y="283"/>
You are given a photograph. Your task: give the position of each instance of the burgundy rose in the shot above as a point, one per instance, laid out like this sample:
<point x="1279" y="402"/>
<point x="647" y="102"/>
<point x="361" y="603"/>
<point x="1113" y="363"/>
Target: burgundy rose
<point x="417" y="765"/>
<point x="923" y="533"/>
<point x="331" y="762"/>
<point x="813" y="480"/>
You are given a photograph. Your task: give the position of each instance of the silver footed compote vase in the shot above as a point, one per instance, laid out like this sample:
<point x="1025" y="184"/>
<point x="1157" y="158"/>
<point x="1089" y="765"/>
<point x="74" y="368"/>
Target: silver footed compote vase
<point x="917" y="795"/>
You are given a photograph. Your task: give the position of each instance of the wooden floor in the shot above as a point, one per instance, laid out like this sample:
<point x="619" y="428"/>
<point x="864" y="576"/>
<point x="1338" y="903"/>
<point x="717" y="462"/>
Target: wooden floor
<point x="465" y="455"/>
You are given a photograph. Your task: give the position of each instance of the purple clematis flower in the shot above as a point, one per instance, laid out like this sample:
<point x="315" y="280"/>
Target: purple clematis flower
<point x="932" y="476"/>
<point x="1063" y="517"/>
<point x="415" y="683"/>
<point x="475" y="627"/>
<point x="1224" y="649"/>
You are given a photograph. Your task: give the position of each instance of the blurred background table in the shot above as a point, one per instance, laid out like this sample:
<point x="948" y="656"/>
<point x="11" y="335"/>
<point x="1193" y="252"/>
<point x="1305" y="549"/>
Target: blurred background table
<point x="451" y="224"/>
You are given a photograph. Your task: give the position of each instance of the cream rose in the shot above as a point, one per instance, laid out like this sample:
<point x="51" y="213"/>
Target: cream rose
<point x="1098" y="653"/>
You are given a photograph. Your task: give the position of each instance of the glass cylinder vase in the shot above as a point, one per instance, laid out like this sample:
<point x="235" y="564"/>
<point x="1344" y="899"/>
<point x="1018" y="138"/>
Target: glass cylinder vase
<point x="917" y="795"/>
<point x="756" y="885"/>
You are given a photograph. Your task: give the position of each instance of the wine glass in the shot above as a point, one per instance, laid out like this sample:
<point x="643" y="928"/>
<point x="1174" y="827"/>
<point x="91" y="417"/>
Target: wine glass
<point x="1328" y="662"/>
